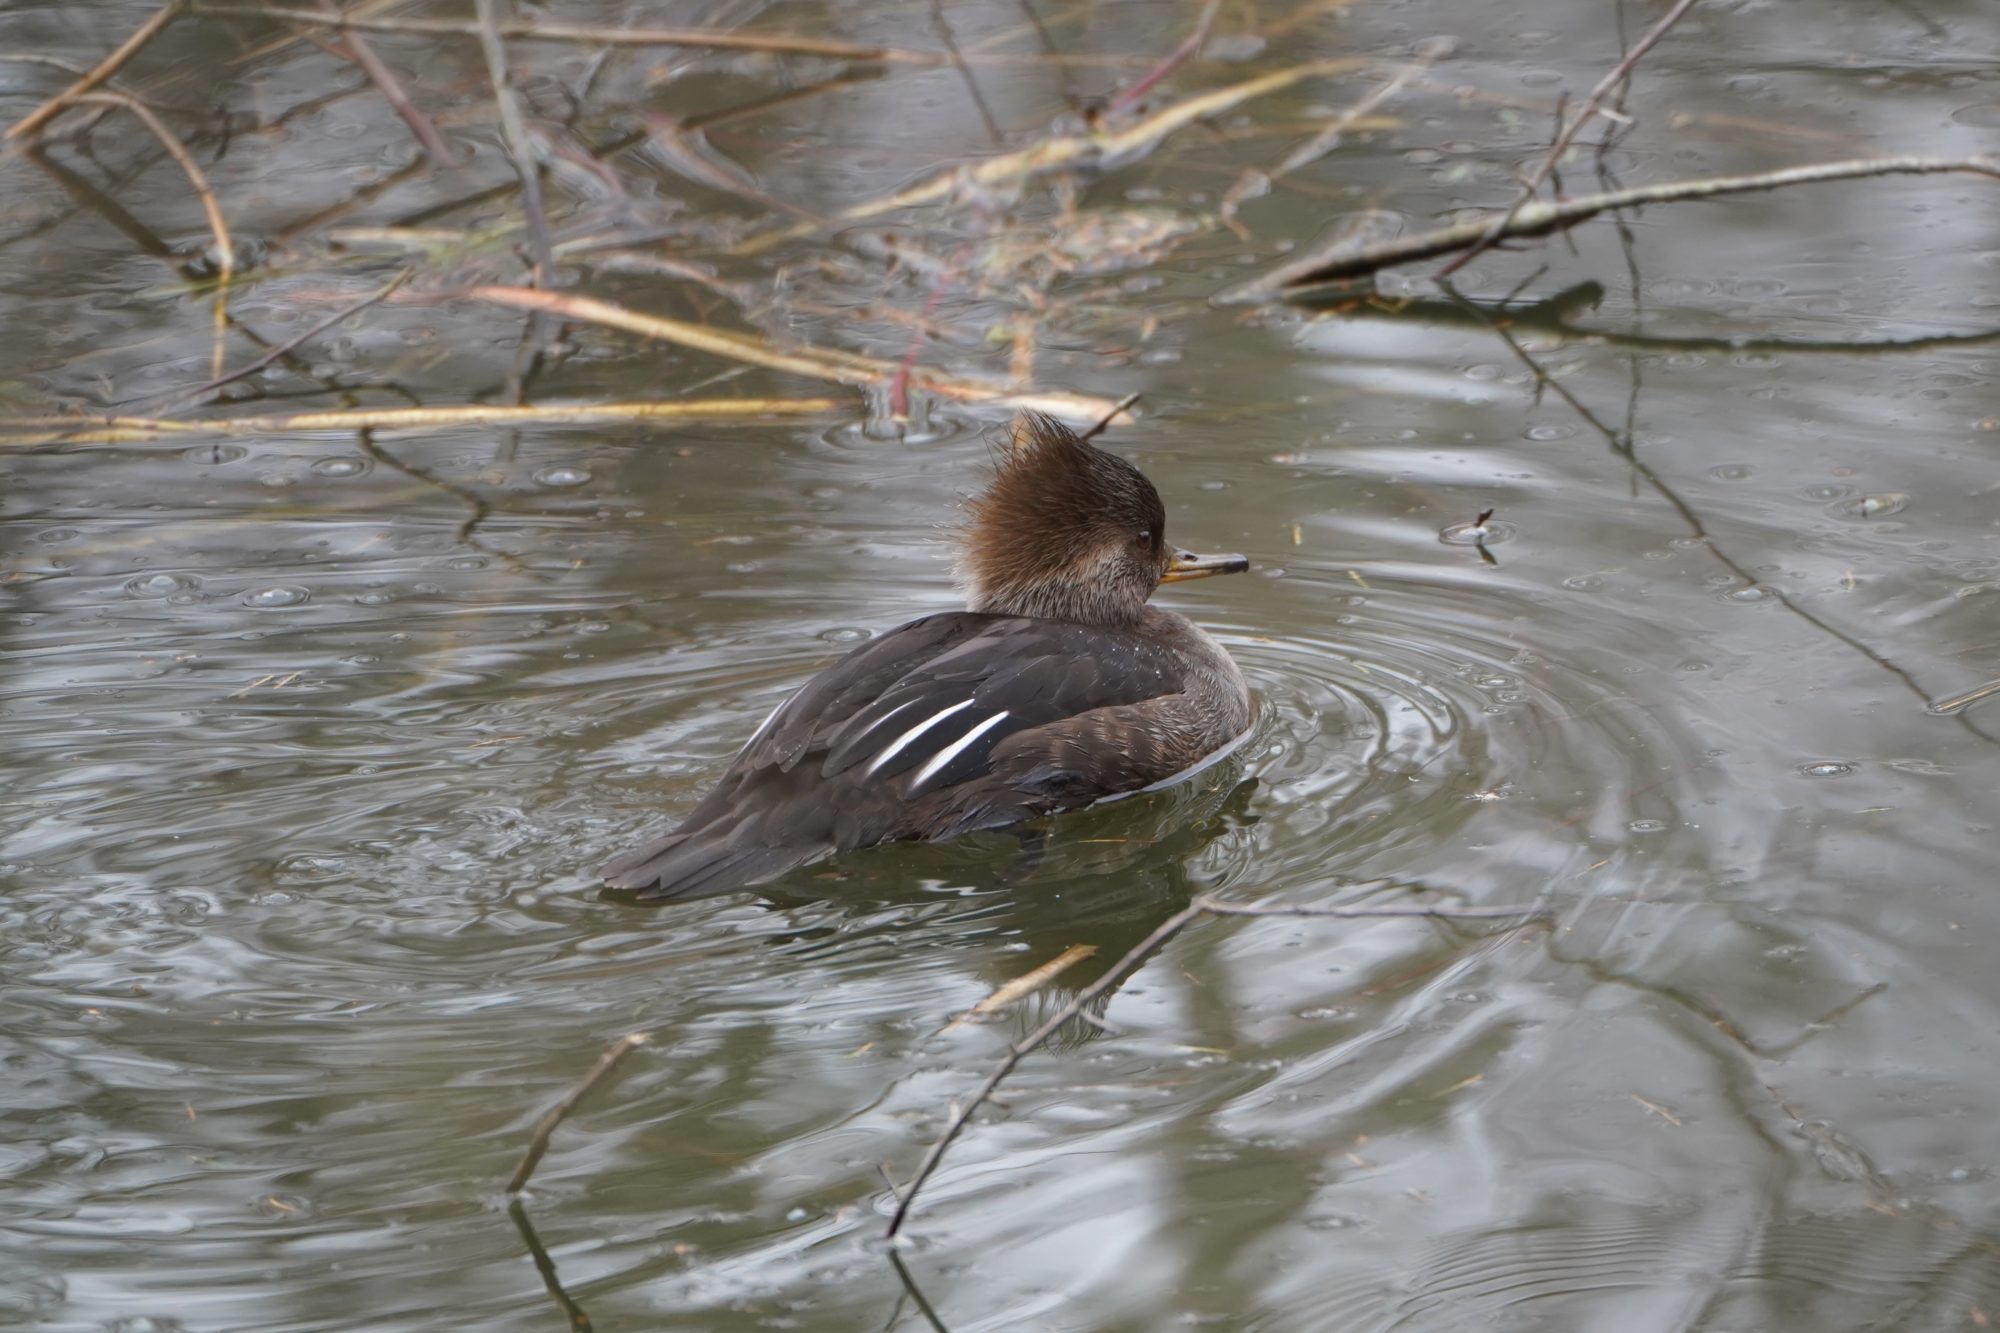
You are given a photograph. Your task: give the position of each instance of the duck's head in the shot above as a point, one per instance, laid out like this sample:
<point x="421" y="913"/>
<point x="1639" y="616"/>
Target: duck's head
<point x="1067" y="531"/>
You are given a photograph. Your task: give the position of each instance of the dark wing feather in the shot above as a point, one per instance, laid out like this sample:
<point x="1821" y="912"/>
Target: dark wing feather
<point x="951" y="723"/>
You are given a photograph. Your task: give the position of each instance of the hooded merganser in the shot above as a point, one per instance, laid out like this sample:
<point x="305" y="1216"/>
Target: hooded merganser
<point x="1058" y="688"/>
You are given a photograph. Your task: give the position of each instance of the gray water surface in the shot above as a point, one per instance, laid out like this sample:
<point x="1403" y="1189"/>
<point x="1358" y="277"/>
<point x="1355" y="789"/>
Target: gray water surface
<point x="305" y="788"/>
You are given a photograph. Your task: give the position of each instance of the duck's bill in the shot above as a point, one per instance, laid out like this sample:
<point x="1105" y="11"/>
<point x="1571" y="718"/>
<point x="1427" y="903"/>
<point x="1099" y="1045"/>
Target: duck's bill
<point x="1187" y="565"/>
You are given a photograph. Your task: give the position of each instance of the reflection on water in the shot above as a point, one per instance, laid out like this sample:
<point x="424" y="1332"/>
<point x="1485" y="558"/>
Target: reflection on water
<point x="305" y="789"/>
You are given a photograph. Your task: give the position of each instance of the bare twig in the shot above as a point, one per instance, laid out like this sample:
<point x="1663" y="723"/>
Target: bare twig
<point x="356" y="48"/>
<point x="538" y="1142"/>
<point x="123" y="429"/>
<point x="1026" y="984"/>
<point x="1118" y="410"/>
<point x="1619" y="73"/>
<point x="1118" y="971"/>
<point x="1347" y="260"/>
<point x="103" y="70"/>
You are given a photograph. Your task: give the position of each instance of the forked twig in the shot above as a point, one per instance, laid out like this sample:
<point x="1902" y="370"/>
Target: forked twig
<point x="1619" y="73"/>
<point x="1137" y="954"/>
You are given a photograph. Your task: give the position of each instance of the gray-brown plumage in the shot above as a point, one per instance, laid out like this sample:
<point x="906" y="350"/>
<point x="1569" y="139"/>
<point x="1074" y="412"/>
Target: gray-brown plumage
<point x="1060" y="687"/>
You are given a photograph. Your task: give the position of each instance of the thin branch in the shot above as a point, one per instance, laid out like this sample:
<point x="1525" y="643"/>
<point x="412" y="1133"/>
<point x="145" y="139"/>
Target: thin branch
<point x="356" y="48"/>
<point x="284" y="348"/>
<point x="1619" y="73"/>
<point x="538" y="1142"/>
<point x="103" y="70"/>
<point x="1347" y="260"/>
<point x="943" y="26"/>
<point x="1137" y="954"/>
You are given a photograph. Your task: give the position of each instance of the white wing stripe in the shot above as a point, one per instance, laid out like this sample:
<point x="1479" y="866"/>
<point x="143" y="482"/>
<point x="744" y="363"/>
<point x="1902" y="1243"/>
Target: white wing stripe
<point x="896" y="746"/>
<point x="956" y="748"/>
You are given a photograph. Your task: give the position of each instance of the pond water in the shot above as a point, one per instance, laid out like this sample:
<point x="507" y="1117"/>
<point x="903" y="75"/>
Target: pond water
<point x="306" y="785"/>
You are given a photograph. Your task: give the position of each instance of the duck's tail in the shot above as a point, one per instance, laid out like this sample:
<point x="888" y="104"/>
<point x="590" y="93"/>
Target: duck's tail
<point x="699" y="864"/>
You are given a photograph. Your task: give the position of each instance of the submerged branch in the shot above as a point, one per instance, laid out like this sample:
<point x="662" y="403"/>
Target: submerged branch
<point x="1118" y="971"/>
<point x="1100" y="149"/>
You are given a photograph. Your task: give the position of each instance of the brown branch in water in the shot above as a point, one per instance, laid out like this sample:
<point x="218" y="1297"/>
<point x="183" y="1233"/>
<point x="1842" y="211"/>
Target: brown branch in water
<point x="1347" y="260"/>
<point x="103" y="70"/>
<point x="355" y="47"/>
<point x="1118" y="971"/>
<point x="1619" y="73"/>
<point x="571" y="32"/>
<point x="126" y="429"/>
<point x="538" y="1142"/>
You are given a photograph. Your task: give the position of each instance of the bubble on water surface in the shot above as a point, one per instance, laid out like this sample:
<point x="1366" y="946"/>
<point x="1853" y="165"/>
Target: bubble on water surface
<point x="340" y="467"/>
<point x="561" y="476"/>
<point x="276" y="595"/>
<point x="160" y="585"/>
<point x="1825" y="768"/>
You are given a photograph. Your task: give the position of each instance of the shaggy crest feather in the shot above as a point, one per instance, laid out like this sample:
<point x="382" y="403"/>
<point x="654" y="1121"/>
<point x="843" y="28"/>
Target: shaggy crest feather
<point x="1065" y="531"/>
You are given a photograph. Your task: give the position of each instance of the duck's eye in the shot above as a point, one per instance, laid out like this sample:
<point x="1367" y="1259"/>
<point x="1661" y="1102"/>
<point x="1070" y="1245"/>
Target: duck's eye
<point x="1145" y="541"/>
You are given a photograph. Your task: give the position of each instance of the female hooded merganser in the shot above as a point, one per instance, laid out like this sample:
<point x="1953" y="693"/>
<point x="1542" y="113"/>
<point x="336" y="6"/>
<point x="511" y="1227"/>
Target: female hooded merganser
<point x="1059" y="687"/>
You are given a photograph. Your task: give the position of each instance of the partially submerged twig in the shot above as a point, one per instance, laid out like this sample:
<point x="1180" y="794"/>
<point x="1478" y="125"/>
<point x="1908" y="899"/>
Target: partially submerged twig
<point x="1137" y="954"/>
<point x="1347" y="260"/>
<point x="538" y="1142"/>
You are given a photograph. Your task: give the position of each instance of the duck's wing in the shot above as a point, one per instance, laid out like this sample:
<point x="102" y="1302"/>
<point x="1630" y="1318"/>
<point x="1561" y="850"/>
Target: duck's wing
<point x="948" y="724"/>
